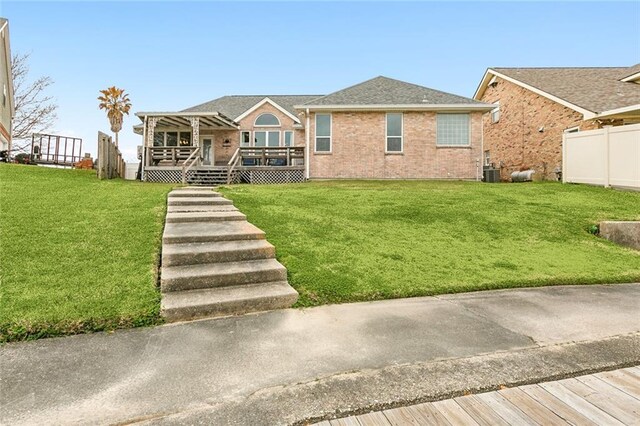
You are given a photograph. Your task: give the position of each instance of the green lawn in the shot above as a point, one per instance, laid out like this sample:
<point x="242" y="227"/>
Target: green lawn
<point x="76" y="254"/>
<point x="347" y="241"/>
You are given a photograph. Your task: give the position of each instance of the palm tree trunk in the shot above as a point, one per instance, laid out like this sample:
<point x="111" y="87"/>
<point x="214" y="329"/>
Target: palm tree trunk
<point x="116" y="139"/>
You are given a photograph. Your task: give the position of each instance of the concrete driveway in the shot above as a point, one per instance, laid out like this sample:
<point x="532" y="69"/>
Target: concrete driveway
<point x="287" y="366"/>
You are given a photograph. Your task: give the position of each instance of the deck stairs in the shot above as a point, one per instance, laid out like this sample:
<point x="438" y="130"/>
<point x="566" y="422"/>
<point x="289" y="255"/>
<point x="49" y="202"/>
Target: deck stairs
<point x="211" y="176"/>
<point x="214" y="262"/>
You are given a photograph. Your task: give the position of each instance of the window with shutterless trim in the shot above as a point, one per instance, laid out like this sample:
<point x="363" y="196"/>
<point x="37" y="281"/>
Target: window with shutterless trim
<point x="394" y="132"/>
<point x="267" y="119"/>
<point x="288" y="138"/>
<point x="495" y="113"/>
<point x="452" y="129"/>
<point x="323" y="133"/>
<point x="245" y="138"/>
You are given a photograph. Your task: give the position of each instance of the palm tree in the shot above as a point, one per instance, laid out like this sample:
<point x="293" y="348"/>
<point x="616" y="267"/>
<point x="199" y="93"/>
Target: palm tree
<point x="117" y="103"/>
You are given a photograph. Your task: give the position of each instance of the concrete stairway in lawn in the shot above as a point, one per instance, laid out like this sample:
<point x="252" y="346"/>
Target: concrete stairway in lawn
<point x="214" y="262"/>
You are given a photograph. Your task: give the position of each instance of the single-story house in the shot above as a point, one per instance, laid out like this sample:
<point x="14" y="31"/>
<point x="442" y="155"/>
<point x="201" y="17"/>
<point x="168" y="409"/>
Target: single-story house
<point x="378" y="129"/>
<point x="6" y="81"/>
<point x="535" y="106"/>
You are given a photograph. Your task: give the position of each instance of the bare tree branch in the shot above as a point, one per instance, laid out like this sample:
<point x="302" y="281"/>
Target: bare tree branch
<point x="34" y="111"/>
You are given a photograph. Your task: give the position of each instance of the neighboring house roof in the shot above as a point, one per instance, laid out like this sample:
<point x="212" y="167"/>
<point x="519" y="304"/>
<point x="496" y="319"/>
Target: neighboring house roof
<point x="386" y="92"/>
<point x="589" y="91"/>
<point x="234" y="106"/>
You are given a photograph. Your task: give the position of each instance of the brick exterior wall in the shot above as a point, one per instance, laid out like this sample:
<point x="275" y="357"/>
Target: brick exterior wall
<point x="358" y="149"/>
<point x="223" y="154"/>
<point x="515" y="142"/>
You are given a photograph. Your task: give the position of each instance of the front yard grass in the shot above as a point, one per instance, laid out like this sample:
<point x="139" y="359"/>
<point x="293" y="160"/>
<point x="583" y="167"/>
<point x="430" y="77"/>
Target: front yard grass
<point x="76" y="254"/>
<point x="345" y="241"/>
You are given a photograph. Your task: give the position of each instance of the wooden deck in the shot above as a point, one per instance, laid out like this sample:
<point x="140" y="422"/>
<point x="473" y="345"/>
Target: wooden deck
<point x="608" y="398"/>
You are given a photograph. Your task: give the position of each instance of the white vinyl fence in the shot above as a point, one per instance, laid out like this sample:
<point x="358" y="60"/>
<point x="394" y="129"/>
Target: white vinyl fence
<point x="605" y="157"/>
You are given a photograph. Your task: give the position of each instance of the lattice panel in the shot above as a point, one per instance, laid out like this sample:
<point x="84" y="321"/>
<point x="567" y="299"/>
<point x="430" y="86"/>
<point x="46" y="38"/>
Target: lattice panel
<point x="166" y="176"/>
<point x="271" y="176"/>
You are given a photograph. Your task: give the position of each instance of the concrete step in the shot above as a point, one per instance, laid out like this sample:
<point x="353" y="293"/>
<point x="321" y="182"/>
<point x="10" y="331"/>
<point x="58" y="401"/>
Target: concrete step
<point x="198" y="232"/>
<point x="214" y="302"/>
<point x="221" y="251"/>
<point x="202" y="208"/>
<point x="192" y="277"/>
<point x="190" y="201"/>
<point x="181" y="217"/>
<point x="190" y="192"/>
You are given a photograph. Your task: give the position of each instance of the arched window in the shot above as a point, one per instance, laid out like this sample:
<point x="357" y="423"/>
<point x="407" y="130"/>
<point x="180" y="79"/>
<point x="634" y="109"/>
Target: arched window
<point x="267" y="119"/>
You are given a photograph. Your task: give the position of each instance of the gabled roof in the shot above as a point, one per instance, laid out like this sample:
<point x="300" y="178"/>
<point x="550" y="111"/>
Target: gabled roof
<point x="234" y="106"/>
<point x="587" y="90"/>
<point x="383" y="91"/>
<point x="631" y="74"/>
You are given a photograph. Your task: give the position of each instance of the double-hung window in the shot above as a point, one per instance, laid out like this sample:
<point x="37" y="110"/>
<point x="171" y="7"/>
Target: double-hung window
<point x="266" y="138"/>
<point x="394" y="132"/>
<point x="323" y="133"/>
<point x="452" y="129"/>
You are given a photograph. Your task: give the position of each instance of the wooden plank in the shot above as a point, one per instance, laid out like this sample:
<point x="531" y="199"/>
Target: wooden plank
<point x="454" y="413"/>
<point x="504" y="408"/>
<point x="401" y="416"/>
<point x="621" y="381"/>
<point x="427" y="414"/>
<point x="530" y="407"/>
<point x="600" y="400"/>
<point x="620" y="399"/>
<point x="631" y="372"/>
<point x="558" y="407"/>
<point x="347" y="421"/>
<point x="373" y="419"/>
<point x="481" y="413"/>
<point x="584" y="407"/>
<point x="323" y="423"/>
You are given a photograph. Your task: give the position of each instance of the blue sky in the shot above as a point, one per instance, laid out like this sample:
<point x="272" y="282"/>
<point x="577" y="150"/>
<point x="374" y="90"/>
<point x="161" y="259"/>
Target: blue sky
<point x="172" y="55"/>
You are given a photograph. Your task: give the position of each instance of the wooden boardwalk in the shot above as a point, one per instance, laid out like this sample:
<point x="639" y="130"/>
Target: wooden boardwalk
<point x="608" y="398"/>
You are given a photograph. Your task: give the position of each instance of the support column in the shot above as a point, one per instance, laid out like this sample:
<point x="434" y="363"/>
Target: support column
<point x="151" y="125"/>
<point x="195" y="126"/>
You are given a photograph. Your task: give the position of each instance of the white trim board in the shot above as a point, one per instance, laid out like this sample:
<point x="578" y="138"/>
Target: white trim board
<point x="484" y="83"/>
<point x="262" y="102"/>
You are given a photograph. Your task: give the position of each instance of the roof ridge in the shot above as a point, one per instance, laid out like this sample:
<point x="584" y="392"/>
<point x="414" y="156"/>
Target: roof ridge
<point x="560" y="68"/>
<point x="347" y="88"/>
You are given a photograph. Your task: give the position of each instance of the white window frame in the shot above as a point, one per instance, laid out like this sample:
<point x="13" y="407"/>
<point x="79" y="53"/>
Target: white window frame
<point x="253" y="139"/>
<point x="469" y="133"/>
<point x="267" y="125"/>
<point x="284" y="137"/>
<point x="494" y="111"/>
<point x="573" y="129"/>
<point x="315" y="142"/>
<point x="386" y="133"/>
<point x="487" y="157"/>
<point x="242" y="132"/>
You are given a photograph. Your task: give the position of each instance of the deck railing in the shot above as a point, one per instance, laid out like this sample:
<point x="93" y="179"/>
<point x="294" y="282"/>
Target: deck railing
<point x="172" y="154"/>
<point x="286" y="156"/>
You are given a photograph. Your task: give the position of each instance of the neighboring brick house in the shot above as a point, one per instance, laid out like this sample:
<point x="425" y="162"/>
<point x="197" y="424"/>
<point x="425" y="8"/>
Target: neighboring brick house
<point x="6" y="85"/>
<point x="537" y="105"/>
<point x="379" y="129"/>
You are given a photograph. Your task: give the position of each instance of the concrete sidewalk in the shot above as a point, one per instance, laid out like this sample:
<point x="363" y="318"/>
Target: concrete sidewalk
<point x="292" y="365"/>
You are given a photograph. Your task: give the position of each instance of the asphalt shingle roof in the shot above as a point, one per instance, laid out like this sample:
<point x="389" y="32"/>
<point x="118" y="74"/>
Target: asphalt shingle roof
<point x="233" y="106"/>
<point x="387" y="91"/>
<point x="594" y="89"/>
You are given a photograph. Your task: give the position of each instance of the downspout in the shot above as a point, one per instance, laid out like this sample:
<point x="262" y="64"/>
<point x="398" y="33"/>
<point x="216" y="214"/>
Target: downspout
<point x="481" y="148"/>
<point x="144" y="147"/>
<point x="307" y="155"/>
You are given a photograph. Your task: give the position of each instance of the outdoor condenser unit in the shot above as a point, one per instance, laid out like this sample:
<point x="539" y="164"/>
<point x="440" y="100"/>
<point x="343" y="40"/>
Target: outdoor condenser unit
<point x="490" y="174"/>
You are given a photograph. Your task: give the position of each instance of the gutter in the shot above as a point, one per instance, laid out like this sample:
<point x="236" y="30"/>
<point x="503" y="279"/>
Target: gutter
<point x="401" y="107"/>
<point x="307" y="153"/>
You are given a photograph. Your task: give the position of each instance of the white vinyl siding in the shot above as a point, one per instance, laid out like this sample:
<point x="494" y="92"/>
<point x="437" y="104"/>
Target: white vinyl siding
<point x="394" y="127"/>
<point x="453" y="129"/>
<point x="323" y="133"/>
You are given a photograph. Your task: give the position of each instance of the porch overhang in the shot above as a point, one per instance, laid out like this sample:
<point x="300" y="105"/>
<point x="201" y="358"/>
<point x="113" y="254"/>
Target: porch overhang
<point x="213" y="120"/>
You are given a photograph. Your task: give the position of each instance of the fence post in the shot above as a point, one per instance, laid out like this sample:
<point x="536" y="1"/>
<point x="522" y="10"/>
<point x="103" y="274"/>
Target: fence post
<point x="606" y="156"/>
<point x="564" y="157"/>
